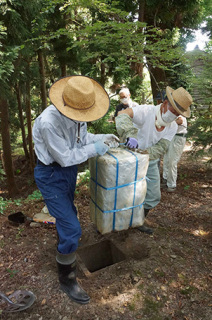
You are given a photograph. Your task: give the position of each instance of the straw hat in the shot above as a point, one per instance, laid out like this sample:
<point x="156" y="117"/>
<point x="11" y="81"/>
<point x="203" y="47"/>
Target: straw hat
<point x="79" y="98"/>
<point x="180" y="99"/>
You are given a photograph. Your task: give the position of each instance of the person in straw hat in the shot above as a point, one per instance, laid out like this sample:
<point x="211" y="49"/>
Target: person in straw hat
<point x="155" y="128"/>
<point x="62" y="142"/>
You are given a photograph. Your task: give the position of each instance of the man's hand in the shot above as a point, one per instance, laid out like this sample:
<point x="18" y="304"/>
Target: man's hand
<point x="132" y="143"/>
<point x="101" y="147"/>
<point x="111" y="140"/>
<point x="179" y="120"/>
<point x="128" y="111"/>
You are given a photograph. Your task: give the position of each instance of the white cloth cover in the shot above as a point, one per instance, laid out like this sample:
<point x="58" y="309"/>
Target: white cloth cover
<point x="118" y="189"/>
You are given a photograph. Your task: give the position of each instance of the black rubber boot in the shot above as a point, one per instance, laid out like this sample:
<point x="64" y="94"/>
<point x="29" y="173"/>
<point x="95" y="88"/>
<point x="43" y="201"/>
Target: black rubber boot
<point x="69" y="284"/>
<point x="146" y="211"/>
<point x="144" y="228"/>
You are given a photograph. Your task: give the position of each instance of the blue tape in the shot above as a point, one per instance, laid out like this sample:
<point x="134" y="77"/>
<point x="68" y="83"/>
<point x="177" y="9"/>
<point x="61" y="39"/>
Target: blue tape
<point x="96" y="189"/>
<point x="136" y="173"/>
<point x="118" y="187"/>
<point x="116" y="190"/>
<point x="115" y="200"/>
<point x="117" y="210"/>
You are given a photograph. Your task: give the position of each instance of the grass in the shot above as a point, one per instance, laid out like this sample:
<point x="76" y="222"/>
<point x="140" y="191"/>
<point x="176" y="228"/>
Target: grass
<point x="187" y="290"/>
<point x="133" y="305"/>
<point x="152" y="308"/>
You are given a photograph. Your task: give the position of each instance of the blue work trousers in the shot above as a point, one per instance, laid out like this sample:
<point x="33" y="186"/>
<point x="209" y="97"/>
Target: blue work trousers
<point x="57" y="186"/>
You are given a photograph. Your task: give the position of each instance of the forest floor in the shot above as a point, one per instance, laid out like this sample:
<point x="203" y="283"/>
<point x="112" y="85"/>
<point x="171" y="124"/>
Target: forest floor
<point x="165" y="276"/>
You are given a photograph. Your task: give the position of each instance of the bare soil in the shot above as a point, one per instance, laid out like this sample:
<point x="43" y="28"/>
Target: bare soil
<point x="165" y="276"/>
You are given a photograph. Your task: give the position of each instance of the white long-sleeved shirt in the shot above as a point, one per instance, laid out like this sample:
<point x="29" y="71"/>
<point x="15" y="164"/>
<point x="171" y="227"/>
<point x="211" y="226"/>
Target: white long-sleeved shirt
<point x="144" y="117"/>
<point x="56" y="139"/>
<point x="182" y="128"/>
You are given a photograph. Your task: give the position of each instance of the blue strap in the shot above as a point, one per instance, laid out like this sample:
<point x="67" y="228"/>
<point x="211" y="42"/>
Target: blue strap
<point x="96" y="190"/>
<point x="115" y="200"/>
<point x="117" y="210"/>
<point x="116" y="189"/>
<point x="136" y="173"/>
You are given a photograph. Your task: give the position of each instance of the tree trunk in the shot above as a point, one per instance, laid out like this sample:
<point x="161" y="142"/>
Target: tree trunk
<point x="21" y="121"/>
<point x="42" y="79"/>
<point x="158" y="81"/>
<point x="63" y="70"/>
<point x="29" y="122"/>
<point x="102" y="77"/>
<point x="138" y="67"/>
<point x="7" y="153"/>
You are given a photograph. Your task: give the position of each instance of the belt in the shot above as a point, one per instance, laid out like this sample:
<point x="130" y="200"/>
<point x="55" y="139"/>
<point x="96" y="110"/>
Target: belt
<point x="180" y="134"/>
<point x="54" y="164"/>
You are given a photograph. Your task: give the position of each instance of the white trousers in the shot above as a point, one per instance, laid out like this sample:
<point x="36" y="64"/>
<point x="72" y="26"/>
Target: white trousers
<point x="171" y="159"/>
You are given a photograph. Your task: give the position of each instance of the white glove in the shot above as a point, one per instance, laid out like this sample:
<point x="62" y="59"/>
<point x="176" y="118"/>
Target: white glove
<point x="101" y="147"/>
<point x="111" y="140"/>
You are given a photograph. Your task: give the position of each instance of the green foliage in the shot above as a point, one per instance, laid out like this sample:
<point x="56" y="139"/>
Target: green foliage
<point x="104" y="45"/>
<point x="183" y="176"/>
<point x="36" y="195"/>
<point x="7" y="56"/>
<point x="187" y="290"/>
<point x="2" y="243"/>
<point x="2" y="173"/>
<point x="200" y="124"/>
<point x="12" y="272"/>
<point x="4" y="204"/>
<point x="201" y="129"/>
<point x="169" y="14"/>
<point x="103" y="125"/>
<point x="152" y="308"/>
<point x="18" y="202"/>
<point x="19" y="233"/>
<point x="140" y="89"/>
<point x="102" y="39"/>
<point x="83" y="178"/>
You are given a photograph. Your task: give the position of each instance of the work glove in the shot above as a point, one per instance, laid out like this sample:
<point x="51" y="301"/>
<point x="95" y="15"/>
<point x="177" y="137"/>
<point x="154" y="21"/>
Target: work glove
<point x="132" y="143"/>
<point x="111" y="140"/>
<point x="100" y="147"/>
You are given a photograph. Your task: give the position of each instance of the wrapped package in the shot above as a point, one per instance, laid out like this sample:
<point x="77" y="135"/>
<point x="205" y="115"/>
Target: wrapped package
<point x="118" y="189"/>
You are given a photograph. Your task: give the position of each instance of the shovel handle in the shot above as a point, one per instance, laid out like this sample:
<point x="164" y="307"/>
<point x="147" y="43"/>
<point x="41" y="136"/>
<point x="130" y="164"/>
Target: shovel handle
<point x="42" y="221"/>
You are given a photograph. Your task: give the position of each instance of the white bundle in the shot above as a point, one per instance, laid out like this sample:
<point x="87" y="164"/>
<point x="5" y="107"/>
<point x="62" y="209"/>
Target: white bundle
<point x="118" y="189"/>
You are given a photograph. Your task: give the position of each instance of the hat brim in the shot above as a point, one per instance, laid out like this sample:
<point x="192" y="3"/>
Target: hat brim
<point x="97" y="111"/>
<point x="186" y="113"/>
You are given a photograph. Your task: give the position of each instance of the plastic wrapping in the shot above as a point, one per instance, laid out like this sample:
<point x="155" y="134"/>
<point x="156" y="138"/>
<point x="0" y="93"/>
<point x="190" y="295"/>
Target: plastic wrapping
<point x="118" y="189"/>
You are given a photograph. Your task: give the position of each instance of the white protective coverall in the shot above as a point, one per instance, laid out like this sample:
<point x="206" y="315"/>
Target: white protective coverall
<point x="173" y="155"/>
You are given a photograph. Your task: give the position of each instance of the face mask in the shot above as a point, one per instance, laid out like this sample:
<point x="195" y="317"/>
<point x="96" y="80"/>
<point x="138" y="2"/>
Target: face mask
<point x="124" y="101"/>
<point x="168" y="116"/>
<point x="129" y="103"/>
<point x="160" y="122"/>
